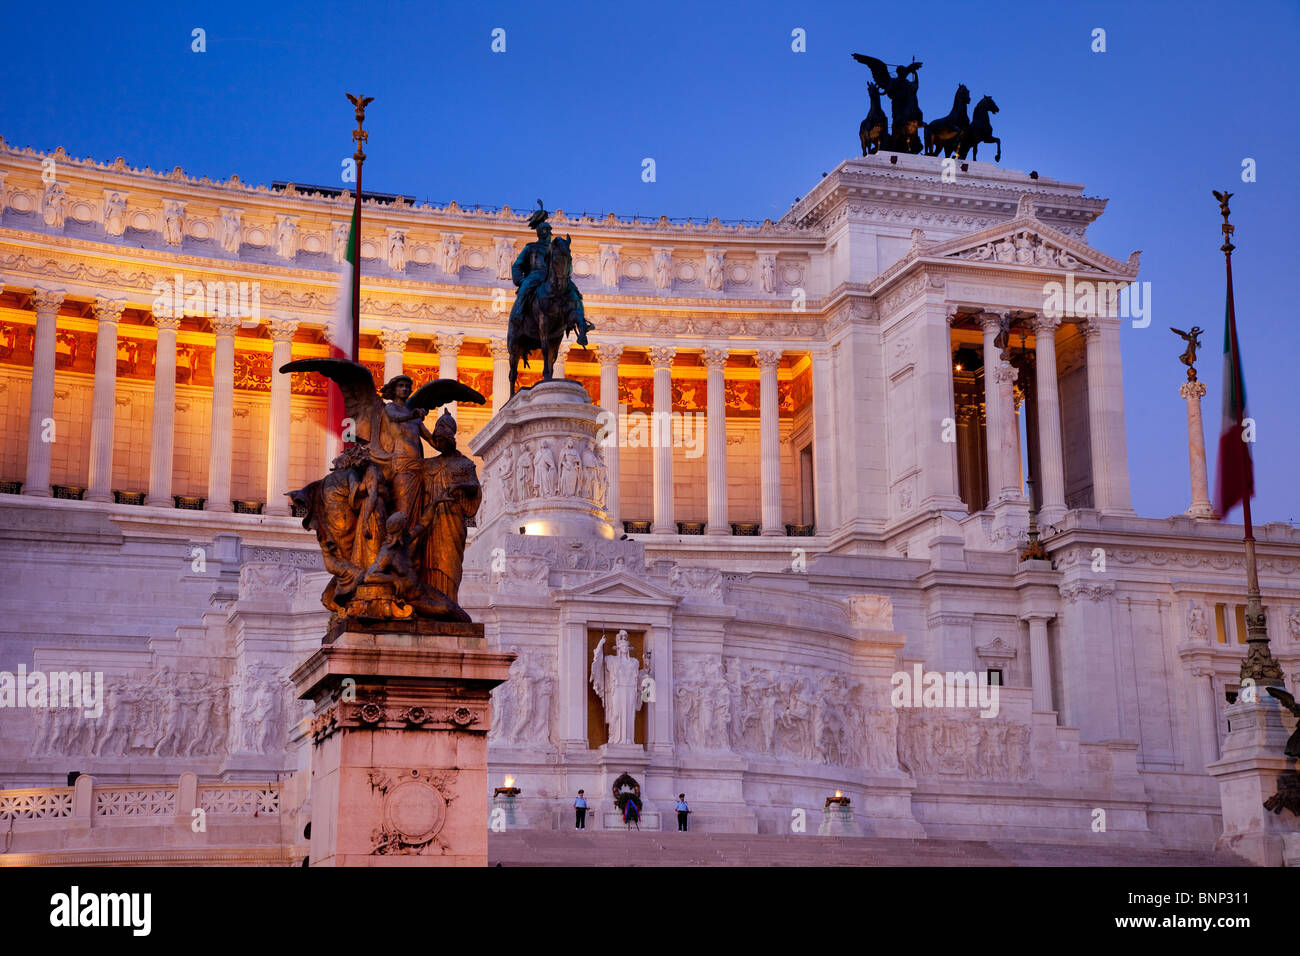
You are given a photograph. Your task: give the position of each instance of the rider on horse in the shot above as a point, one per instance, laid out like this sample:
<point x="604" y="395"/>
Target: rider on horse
<point x="529" y="272"/>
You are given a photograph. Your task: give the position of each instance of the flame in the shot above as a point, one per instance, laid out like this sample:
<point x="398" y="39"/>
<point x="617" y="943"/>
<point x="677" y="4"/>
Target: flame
<point x="510" y="782"/>
<point x="838" y="794"/>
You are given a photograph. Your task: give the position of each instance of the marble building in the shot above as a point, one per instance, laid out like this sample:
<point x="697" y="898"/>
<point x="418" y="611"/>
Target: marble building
<point x="851" y="399"/>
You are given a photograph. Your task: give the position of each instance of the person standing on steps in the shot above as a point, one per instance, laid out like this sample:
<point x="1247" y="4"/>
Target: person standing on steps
<point x="580" y="811"/>
<point x="682" y="811"/>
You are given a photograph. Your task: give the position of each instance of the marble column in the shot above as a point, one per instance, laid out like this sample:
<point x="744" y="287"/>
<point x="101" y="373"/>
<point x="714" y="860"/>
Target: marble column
<point x="937" y="458"/>
<point x="223" y="415"/>
<point x="41" y="430"/>
<point x="823" y="443"/>
<point x="448" y="355"/>
<point x="500" y="373"/>
<point x="608" y="356"/>
<point x="1193" y="391"/>
<point x="1206" y="711"/>
<point x="1098" y="433"/>
<point x="108" y="312"/>
<point x="277" y="436"/>
<point x="994" y="411"/>
<point x="769" y="440"/>
<point x="573" y="661"/>
<point x="715" y="360"/>
<point x="393" y="342"/>
<point x="1051" y="458"/>
<point x="163" y="439"/>
<point x="1040" y="660"/>
<point x="661" y="433"/>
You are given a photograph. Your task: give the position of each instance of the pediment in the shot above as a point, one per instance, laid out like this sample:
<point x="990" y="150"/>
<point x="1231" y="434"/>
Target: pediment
<point x="623" y="586"/>
<point x="1025" y="242"/>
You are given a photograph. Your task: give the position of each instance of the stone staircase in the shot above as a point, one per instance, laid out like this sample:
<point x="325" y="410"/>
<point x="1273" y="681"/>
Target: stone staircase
<point x="621" y="848"/>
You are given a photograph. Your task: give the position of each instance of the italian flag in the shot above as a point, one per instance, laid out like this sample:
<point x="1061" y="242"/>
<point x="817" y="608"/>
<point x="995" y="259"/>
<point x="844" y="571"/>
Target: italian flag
<point x="339" y="334"/>
<point x="1235" y="478"/>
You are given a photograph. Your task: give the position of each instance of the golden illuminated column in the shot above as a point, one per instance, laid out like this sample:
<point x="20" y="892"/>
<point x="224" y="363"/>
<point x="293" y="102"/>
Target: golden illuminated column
<point x="277" y="434"/>
<point x="994" y="412"/>
<point x="769" y="438"/>
<point x="1051" y="461"/>
<point x="393" y="342"/>
<point x="715" y="360"/>
<point x="608" y="356"/>
<point x="448" y="354"/>
<point x="661" y="439"/>
<point x="41" y="431"/>
<point x="108" y="312"/>
<point x="500" y="373"/>
<point x="163" y="439"/>
<point x="223" y="414"/>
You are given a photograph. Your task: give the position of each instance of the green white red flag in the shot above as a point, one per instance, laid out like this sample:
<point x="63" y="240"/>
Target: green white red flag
<point x="1235" y="474"/>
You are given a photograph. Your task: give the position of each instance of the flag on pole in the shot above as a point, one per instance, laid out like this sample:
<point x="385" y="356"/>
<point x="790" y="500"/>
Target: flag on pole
<point x="1235" y="477"/>
<point x="340" y="335"/>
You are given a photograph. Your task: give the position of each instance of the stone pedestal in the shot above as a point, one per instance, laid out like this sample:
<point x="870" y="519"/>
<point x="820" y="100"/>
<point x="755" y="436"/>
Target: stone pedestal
<point x="544" y="466"/>
<point x="509" y="816"/>
<point x="399" y="746"/>
<point x="1252" y="759"/>
<point x="615" y="760"/>
<point x="838" y="820"/>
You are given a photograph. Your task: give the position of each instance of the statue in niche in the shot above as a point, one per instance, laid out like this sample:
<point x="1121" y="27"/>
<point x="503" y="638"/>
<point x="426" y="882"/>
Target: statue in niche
<point x="616" y="678"/>
<point x="390" y="523"/>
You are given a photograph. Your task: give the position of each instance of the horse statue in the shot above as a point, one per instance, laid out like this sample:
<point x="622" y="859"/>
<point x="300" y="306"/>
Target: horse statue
<point x="979" y="131"/>
<point x="874" y="128"/>
<point x="946" y="133"/>
<point x="546" y="316"/>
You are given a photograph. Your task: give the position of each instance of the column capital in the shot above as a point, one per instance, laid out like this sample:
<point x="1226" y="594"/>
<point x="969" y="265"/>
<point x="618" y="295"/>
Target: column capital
<point x="394" y="340"/>
<point x="282" y="330"/>
<point x="224" y="326"/>
<point x="108" y="311"/>
<point x="1042" y="324"/>
<point x="989" y="321"/>
<point x="661" y="356"/>
<point x="767" y="359"/>
<point x="167" y="323"/>
<point x="1090" y="328"/>
<point x="498" y="349"/>
<point x="47" y="301"/>
<point x="1004" y="372"/>
<point x="1190" y="390"/>
<point x="715" y="359"/>
<point x="1031" y="616"/>
<point x="608" y="354"/>
<point x="449" y="342"/>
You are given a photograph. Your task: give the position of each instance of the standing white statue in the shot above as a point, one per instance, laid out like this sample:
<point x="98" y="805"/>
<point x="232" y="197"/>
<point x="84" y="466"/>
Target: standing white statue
<point x="616" y="679"/>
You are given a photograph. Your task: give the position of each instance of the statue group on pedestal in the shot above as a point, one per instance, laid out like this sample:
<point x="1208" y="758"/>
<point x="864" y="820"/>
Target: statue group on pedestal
<point x="899" y="133"/>
<point x="391" y="523"/>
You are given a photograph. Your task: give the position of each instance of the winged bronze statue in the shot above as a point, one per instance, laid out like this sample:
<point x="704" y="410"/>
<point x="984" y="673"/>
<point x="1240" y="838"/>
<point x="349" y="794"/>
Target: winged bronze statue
<point x="391" y="523"/>
<point x="1193" y="340"/>
<point x="904" y="109"/>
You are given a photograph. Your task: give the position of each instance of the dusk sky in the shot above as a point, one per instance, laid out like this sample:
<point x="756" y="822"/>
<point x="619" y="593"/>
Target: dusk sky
<point x="739" y="125"/>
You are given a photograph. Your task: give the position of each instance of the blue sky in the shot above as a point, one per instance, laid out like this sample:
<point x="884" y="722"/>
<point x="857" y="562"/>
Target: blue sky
<point x="739" y="125"/>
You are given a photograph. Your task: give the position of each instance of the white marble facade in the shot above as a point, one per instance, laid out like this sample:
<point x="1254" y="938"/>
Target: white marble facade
<point x="770" y="654"/>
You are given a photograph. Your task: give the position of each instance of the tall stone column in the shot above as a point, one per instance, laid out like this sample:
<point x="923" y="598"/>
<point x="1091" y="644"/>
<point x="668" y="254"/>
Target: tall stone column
<point x="223" y="415"/>
<point x="1005" y="376"/>
<point x="108" y="312"/>
<point x="608" y="356"/>
<point x="769" y="441"/>
<point x="938" y="458"/>
<point x="823" y="442"/>
<point x="715" y="360"/>
<point x="1040" y="659"/>
<point x="994" y="411"/>
<point x="1206" y="712"/>
<point x="573" y="661"/>
<point x="40" y="422"/>
<point x="1098" y="433"/>
<point x="448" y="355"/>
<point x="393" y="342"/>
<point x="661" y="360"/>
<point x="277" y="448"/>
<point x="163" y="439"/>
<point x="1193" y="391"/>
<point x="500" y="373"/>
<point x="1051" y="458"/>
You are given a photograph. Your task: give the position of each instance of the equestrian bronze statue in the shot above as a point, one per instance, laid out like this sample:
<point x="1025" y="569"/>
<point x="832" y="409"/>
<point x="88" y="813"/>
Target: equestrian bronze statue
<point x="903" y="106"/>
<point x="548" y="306"/>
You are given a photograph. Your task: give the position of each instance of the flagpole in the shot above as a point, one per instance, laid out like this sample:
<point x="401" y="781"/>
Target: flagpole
<point x="1259" y="664"/>
<point x="359" y="136"/>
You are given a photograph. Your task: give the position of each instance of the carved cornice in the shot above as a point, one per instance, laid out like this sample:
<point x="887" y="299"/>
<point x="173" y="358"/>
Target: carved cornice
<point x="1071" y="593"/>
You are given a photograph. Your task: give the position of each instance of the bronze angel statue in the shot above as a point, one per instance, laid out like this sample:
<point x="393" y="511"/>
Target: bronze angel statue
<point x="391" y="523"/>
